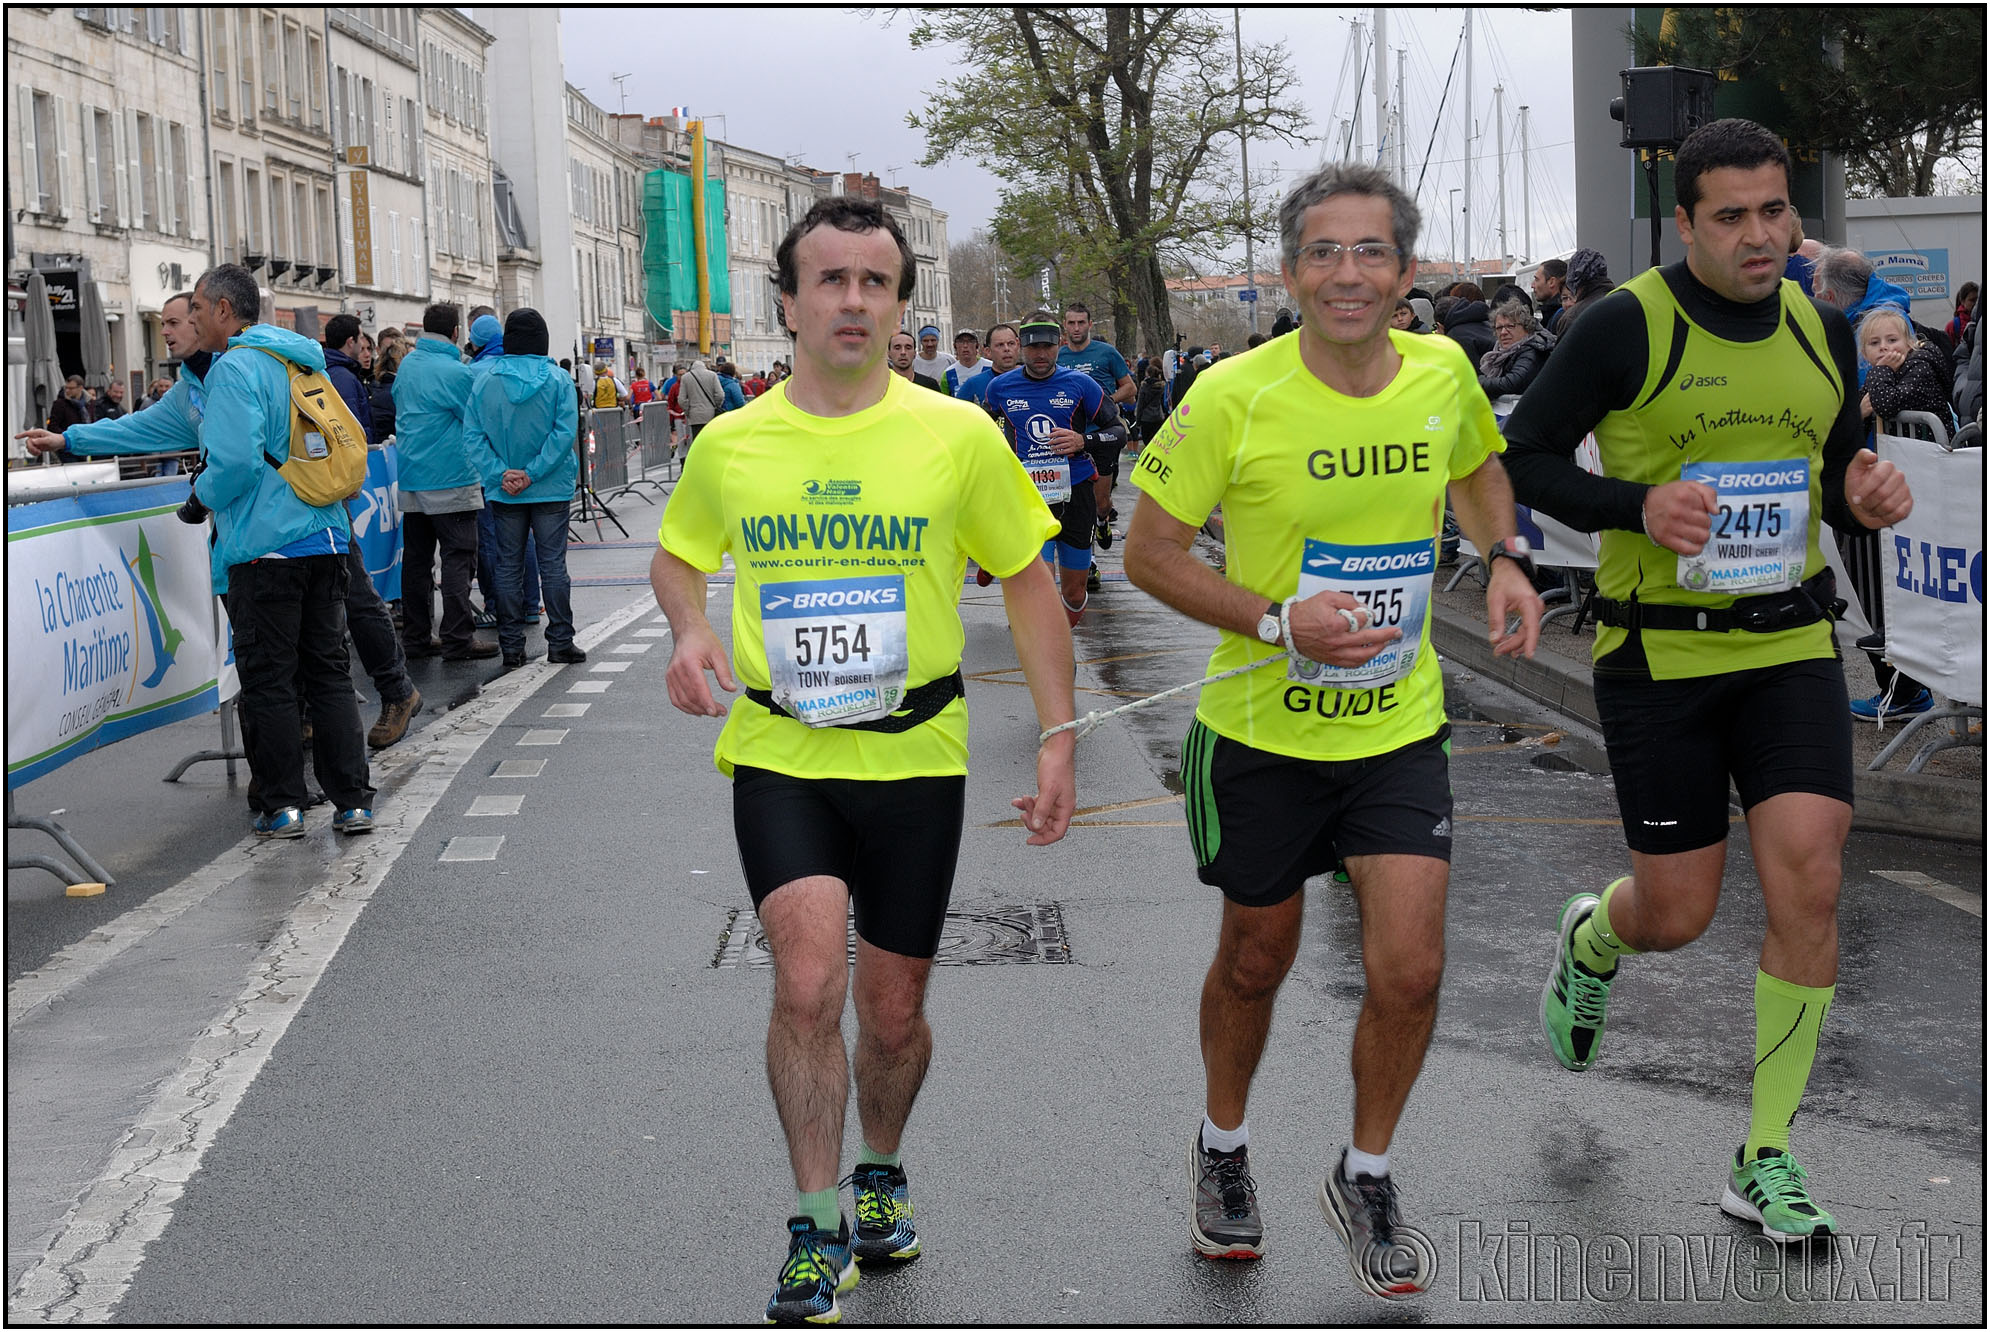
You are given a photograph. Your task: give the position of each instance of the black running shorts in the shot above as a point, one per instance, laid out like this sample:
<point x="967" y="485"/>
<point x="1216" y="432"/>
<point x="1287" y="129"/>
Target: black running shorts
<point x="1262" y="824"/>
<point x="1079" y="515"/>
<point x="1674" y="743"/>
<point x="1105" y="457"/>
<point x="893" y="843"/>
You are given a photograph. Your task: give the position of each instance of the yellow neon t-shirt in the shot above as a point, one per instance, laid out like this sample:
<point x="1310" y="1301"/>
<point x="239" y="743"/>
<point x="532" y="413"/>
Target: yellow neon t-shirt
<point x="1352" y="487"/>
<point x="882" y="508"/>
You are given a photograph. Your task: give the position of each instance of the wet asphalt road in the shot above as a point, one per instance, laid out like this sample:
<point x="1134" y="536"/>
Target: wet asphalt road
<point x="530" y="1089"/>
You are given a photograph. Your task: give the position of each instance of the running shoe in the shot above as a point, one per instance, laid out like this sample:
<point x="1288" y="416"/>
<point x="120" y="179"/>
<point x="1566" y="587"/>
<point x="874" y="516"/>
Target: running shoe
<point x="1574" y="999"/>
<point x="1104" y="532"/>
<point x="1872" y="709"/>
<point x="1223" y="1220"/>
<point x="353" y="821"/>
<point x="1389" y="1258"/>
<point x="1771" y="1192"/>
<point x="884" y="1215"/>
<point x="982" y="578"/>
<point x="1092" y="579"/>
<point x="286" y="823"/>
<point x="818" y="1269"/>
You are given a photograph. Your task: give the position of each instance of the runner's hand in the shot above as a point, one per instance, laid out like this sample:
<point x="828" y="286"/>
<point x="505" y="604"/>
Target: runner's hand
<point x="1679" y="515"/>
<point x="1321" y="633"/>
<point x="1047" y="813"/>
<point x="41" y="441"/>
<point x="1876" y="490"/>
<point x="1509" y="594"/>
<point x="1065" y="441"/>
<point x="685" y="677"/>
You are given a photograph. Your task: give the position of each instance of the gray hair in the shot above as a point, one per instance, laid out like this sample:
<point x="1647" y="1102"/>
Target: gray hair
<point x="1519" y="313"/>
<point x="237" y="286"/>
<point x="1844" y="272"/>
<point x="1338" y="178"/>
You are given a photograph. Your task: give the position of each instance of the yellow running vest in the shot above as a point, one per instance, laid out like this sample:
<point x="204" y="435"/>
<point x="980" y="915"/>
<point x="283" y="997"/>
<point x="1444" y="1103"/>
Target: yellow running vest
<point x="1751" y="419"/>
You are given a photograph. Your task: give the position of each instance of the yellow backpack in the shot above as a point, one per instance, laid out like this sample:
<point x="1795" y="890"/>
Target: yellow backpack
<point x="604" y="391"/>
<point x="327" y="461"/>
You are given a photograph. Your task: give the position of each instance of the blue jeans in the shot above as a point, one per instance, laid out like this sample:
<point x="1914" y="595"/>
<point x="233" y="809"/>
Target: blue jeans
<point x="545" y="523"/>
<point x="487" y="562"/>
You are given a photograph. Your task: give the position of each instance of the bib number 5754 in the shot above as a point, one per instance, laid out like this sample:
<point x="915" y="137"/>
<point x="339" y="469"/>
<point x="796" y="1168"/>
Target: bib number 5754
<point x="833" y="644"/>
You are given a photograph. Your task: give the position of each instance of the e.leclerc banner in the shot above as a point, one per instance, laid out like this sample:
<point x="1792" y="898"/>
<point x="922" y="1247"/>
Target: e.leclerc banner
<point x="111" y="623"/>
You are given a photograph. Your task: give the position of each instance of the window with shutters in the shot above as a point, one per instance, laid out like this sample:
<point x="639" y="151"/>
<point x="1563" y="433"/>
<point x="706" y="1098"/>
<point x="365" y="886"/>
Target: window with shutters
<point x="415" y="248"/>
<point x="180" y="168"/>
<point x="103" y="166"/>
<point x="389" y="141"/>
<point x="411" y="137"/>
<point x="147" y="195"/>
<point x="272" y="68"/>
<point x="477" y="101"/>
<point x="300" y="215"/>
<point x="314" y="65"/>
<point x="394" y="248"/>
<point x="217" y="59"/>
<point x="252" y="212"/>
<point x="435" y="186"/>
<point x="224" y="213"/>
<point x="328" y="253"/>
<point x="366" y="116"/>
<point x="293" y="70"/>
<point x="245" y="63"/>
<point x="345" y="238"/>
<point x="279" y="217"/>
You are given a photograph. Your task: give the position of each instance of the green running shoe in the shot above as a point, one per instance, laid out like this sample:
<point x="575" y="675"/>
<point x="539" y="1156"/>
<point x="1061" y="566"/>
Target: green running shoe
<point x="1770" y="1192"/>
<point x="884" y="1215"/>
<point x="1573" y="1000"/>
<point x="819" y="1268"/>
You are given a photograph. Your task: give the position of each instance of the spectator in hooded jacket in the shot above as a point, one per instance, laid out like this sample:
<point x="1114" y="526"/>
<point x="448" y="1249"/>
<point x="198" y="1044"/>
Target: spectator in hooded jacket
<point x="1965" y="312"/>
<point x="1468" y="322"/>
<point x="1588" y="282"/>
<point x="342" y="367"/>
<point x="1521" y="349"/>
<point x="520" y="428"/>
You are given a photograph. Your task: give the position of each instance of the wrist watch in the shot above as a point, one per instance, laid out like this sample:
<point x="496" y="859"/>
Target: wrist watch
<point x="1513" y="548"/>
<point x="1268" y="631"/>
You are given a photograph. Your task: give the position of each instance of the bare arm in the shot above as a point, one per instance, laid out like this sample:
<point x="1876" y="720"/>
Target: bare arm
<point x="1043" y="643"/>
<point x="1158" y="561"/>
<point x="1125" y="391"/>
<point x="1484" y="503"/>
<point x="680" y="591"/>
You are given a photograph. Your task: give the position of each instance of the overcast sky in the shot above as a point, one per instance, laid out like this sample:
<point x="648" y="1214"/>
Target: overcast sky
<point x="820" y="85"/>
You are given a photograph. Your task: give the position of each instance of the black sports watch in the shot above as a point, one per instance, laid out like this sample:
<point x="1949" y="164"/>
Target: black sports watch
<point x="1512" y="548"/>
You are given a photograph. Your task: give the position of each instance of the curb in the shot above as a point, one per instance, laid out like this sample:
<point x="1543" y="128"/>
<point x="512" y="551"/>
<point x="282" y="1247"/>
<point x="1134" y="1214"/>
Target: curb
<point x="1914" y="804"/>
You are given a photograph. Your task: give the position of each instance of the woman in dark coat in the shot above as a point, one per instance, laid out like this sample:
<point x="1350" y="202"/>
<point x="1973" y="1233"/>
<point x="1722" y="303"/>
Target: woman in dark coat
<point x="1521" y="349"/>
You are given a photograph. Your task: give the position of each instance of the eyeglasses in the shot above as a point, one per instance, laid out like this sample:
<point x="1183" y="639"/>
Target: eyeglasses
<point x="1326" y="254"/>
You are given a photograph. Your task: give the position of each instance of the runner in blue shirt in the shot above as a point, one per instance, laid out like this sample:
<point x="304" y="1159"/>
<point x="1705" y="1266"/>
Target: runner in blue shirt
<point x="1051" y="416"/>
<point x="1005" y="353"/>
<point x="1102" y="361"/>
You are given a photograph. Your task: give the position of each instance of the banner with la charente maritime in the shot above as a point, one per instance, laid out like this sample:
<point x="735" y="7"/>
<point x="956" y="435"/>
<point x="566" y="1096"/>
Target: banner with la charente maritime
<point x="112" y="624"/>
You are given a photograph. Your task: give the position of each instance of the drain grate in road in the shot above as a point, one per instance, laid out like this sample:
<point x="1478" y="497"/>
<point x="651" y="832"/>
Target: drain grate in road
<point x="997" y="936"/>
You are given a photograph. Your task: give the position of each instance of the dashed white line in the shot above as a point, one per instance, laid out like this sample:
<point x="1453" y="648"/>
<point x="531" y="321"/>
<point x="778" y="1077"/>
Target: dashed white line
<point x="542" y="737"/>
<point x="494" y="806"/>
<point x="567" y="710"/>
<point x="632" y="648"/>
<point x="589" y="686"/>
<point x="1935" y="888"/>
<point x="609" y="667"/>
<point x="471" y="848"/>
<point x="519" y="768"/>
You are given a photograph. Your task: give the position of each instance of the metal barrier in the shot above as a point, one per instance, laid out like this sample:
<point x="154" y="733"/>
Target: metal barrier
<point x="608" y="448"/>
<point x="658" y="449"/>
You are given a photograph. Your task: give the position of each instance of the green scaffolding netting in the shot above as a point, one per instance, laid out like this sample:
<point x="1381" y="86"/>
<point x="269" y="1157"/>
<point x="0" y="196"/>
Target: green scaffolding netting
<point x="670" y="268"/>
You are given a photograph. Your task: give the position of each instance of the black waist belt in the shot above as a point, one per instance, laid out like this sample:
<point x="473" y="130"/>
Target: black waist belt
<point x="1813" y="600"/>
<point x="918" y="706"/>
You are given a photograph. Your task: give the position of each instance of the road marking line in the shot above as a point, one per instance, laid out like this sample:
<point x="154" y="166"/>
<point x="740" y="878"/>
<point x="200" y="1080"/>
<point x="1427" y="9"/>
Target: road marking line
<point x="542" y="737"/>
<point x="520" y="768"/>
<point x="608" y="667"/>
<point x="1958" y="898"/>
<point x="89" y="1262"/>
<point x="471" y="848"/>
<point x="632" y="648"/>
<point x="494" y="806"/>
<point x="652" y="633"/>
<point x="565" y="710"/>
<point x="589" y="686"/>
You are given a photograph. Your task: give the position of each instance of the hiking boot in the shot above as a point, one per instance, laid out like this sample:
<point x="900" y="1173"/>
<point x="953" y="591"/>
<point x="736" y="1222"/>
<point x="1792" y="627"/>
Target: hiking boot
<point x="1223" y="1219"/>
<point x="394" y="719"/>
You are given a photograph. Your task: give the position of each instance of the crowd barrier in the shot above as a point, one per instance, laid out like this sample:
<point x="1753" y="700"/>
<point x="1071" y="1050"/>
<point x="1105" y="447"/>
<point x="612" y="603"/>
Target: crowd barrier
<point x="1932" y="585"/>
<point x="112" y="630"/>
<point x="607" y="448"/>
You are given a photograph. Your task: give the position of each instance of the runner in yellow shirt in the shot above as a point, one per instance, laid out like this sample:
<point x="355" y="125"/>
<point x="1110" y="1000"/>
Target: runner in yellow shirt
<point x="1330" y="454"/>
<point x="850" y="502"/>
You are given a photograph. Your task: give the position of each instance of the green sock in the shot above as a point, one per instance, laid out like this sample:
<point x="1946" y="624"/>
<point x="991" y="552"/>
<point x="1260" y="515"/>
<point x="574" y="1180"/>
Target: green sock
<point x="1787" y="1020"/>
<point x="822" y="1207"/>
<point x="1593" y="943"/>
<point x="870" y="1155"/>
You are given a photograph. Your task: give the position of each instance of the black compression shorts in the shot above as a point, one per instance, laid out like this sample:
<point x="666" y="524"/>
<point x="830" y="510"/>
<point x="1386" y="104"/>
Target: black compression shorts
<point x="1674" y="743"/>
<point x="1105" y="457"/>
<point x="1078" y="515"/>
<point x="894" y="843"/>
<point x="1261" y="823"/>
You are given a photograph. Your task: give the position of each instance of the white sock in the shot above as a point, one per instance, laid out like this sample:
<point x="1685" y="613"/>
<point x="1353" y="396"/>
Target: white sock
<point x="1363" y="1163"/>
<point x="1224" y="1140"/>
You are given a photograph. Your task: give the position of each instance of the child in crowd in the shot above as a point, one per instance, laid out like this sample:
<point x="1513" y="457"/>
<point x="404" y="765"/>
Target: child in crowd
<point x="1903" y="373"/>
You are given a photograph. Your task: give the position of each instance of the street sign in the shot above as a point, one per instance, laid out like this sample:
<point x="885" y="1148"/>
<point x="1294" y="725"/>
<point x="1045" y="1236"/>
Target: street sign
<point x="1247" y="294"/>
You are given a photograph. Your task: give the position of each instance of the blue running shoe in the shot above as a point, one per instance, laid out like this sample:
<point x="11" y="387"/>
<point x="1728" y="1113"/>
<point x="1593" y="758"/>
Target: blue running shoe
<point x="351" y="821"/>
<point x="1871" y="709"/>
<point x="286" y="822"/>
<point x="819" y="1268"/>
<point x="884" y="1215"/>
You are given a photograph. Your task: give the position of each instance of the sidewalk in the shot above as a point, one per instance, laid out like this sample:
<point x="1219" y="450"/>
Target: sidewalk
<point x="1945" y="799"/>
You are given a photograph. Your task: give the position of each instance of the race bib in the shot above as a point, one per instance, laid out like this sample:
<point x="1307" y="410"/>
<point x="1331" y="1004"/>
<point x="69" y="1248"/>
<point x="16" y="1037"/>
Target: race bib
<point x="1761" y="531"/>
<point x="836" y="649"/>
<point x="1393" y="582"/>
<point x="1050" y="473"/>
